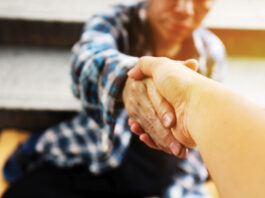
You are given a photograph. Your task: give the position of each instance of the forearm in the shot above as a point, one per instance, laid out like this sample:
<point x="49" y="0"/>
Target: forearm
<point x="230" y="134"/>
<point x="228" y="130"/>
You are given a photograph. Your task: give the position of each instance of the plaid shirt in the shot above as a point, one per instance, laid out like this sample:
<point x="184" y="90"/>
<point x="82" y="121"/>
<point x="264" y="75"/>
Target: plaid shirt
<point x="99" y="136"/>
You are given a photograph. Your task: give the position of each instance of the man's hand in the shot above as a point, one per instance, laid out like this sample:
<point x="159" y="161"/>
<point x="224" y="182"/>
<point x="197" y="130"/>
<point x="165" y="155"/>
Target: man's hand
<point x="174" y="82"/>
<point x="146" y="117"/>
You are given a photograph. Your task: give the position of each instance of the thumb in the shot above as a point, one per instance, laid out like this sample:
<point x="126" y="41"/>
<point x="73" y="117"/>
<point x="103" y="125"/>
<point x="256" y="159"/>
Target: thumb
<point x="192" y="64"/>
<point x="144" y="67"/>
<point x="136" y="73"/>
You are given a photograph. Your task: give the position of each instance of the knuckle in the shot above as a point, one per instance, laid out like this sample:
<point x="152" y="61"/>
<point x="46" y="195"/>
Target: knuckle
<point x="134" y="86"/>
<point x="163" y="59"/>
<point x="151" y="115"/>
<point x="141" y="88"/>
<point x="131" y="114"/>
<point x="143" y="58"/>
<point x="138" y="86"/>
<point x="131" y="102"/>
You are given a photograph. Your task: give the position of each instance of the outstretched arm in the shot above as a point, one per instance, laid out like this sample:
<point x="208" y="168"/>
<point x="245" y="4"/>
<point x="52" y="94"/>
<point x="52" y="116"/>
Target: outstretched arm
<point x="228" y="130"/>
<point x="99" y="68"/>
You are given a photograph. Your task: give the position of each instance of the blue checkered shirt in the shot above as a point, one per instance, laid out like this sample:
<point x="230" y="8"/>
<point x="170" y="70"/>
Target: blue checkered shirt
<point x="110" y="44"/>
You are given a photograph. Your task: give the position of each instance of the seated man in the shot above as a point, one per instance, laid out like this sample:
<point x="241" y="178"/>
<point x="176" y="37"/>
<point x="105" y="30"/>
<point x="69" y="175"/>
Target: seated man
<point x="95" y="154"/>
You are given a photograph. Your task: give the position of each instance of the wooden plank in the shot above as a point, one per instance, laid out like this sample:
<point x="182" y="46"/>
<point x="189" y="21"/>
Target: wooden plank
<point x="242" y="42"/>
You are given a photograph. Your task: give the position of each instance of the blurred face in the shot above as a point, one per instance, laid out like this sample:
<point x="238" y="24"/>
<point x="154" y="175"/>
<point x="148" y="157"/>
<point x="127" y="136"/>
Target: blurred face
<point x="177" y="18"/>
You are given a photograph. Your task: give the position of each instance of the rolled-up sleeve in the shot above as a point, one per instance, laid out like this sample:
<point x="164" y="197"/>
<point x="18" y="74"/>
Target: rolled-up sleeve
<point x="99" y="67"/>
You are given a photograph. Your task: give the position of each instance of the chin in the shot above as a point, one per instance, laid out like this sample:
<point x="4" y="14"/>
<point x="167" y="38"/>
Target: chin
<point x="177" y="32"/>
<point x="182" y="34"/>
<point x="173" y="35"/>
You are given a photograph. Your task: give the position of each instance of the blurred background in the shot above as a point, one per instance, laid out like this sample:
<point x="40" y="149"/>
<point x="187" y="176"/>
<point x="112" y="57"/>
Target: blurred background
<point x="36" y="37"/>
<point x="35" y="41"/>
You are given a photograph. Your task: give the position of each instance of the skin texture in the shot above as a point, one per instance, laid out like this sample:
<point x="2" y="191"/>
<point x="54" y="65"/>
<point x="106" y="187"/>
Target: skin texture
<point x="176" y="21"/>
<point x="176" y="90"/>
<point x="227" y="129"/>
<point x="145" y="119"/>
<point x="150" y="139"/>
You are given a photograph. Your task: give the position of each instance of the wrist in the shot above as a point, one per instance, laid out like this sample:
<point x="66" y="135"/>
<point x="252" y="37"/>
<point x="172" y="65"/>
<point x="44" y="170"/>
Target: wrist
<point x="201" y="106"/>
<point x="191" y="108"/>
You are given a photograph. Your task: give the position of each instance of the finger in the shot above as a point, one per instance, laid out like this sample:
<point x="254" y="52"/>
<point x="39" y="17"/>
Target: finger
<point x="137" y="129"/>
<point x="130" y="121"/>
<point x="175" y="148"/>
<point x="163" y="109"/>
<point x="184" y="153"/>
<point x="148" y="141"/>
<point x="178" y="149"/>
<point x="143" y="67"/>
<point x="183" y="136"/>
<point x="136" y="73"/>
<point x="192" y="64"/>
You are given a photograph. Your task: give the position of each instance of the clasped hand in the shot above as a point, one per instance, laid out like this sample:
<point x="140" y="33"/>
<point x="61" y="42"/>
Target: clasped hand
<point x="153" y="98"/>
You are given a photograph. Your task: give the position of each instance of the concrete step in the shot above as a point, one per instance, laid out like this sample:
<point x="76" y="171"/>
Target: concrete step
<point x="35" y="88"/>
<point x="35" y="81"/>
<point x="35" y="85"/>
<point x="36" y="78"/>
<point x="58" y="23"/>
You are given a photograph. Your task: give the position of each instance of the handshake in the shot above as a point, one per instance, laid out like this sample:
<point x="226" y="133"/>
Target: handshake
<point x="196" y="111"/>
<point x="157" y="98"/>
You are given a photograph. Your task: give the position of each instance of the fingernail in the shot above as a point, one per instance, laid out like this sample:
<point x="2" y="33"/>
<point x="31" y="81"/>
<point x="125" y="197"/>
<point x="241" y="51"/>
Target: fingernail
<point x="183" y="153"/>
<point x="167" y="119"/>
<point x="186" y="152"/>
<point x="175" y="148"/>
<point x="130" y="121"/>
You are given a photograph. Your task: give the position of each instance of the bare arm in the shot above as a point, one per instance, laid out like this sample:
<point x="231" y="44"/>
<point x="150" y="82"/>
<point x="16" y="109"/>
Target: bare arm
<point x="228" y="130"/>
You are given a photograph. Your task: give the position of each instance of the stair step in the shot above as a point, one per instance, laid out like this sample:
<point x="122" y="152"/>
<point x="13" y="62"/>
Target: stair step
<point x="36" y="78"/>
<point x="35" y="85"/>
<point x="58" y="23"/>
<point x="35" y="81"/>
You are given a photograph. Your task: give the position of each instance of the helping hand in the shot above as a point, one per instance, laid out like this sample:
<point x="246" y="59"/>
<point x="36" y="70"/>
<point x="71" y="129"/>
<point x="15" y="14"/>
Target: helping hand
<point x="146" y="116"/>
<point x="173" y="80"/>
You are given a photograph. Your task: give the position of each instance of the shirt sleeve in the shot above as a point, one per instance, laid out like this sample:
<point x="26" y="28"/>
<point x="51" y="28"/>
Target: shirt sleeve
<point x="97" y="136"/>
<point x="215" y="56"/>
<point x="99" y="67"/>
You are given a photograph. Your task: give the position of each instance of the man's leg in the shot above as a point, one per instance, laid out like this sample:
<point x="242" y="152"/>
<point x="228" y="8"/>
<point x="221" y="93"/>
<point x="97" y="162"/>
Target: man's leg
<point x="45" y="181"/>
